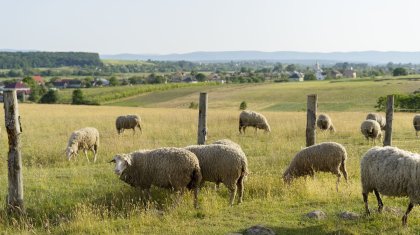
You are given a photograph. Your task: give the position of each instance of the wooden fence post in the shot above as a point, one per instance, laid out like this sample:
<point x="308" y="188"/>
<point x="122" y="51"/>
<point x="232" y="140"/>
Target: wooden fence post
<point x="389" y="118"/>
<point x="311" y="120"/>
<point x="14" y="200"/>
<point x="202" y="119"/>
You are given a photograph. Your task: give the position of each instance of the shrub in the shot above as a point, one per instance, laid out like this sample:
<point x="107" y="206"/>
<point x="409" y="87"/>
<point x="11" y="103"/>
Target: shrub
<point x="399" y="72"/>
<point x="51" y="97"/>
<point x="243" y="105"/>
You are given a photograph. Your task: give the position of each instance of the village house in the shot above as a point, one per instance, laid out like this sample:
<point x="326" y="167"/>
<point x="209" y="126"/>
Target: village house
<point x="22" y="91"/>
<point x="296" y="76"/>
<point x="349" y="73"/>
<point x="38" y="80"/>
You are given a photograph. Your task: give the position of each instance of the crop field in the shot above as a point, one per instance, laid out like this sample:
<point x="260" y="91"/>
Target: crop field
<point x="81" y="197"/>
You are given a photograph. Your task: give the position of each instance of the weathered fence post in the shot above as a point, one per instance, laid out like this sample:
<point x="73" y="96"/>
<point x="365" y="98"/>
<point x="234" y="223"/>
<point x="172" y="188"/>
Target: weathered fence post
<point x="389" y="118"/>
<point x="14" y="200"/>
<point x="202" y="119"/>
<point x="311" y="120"/>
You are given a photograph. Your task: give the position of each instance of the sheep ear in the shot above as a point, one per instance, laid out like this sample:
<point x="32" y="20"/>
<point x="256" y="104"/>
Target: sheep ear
<point x="127" y="158"/>
<point x="112" y="161"/>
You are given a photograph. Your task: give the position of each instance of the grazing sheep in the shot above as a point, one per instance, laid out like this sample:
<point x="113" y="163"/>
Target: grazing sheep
<point x="228" y="142"/>
<point x="222" y="164"/>
<point x="128" y="122"/>
<point x="172" y="168"/>
<point x="392" y="172"/>
<point x="83" y="139"/>
<point x="324" y="123"/>
<point x="371" y="129"/>
<point x="254" y="119"/>
<point x="325" y="157"/>
<point x="416" y="124"/>
<point x="377" y="117"/>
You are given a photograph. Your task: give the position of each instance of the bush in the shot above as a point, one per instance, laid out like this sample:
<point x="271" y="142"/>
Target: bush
<point x="51" y="97"/>
<point x="193" y="105"/>
<point x="399" y="72"/>
<point x="77" y="97"/>
<point x="243" y="105"/>
<point x="403" y="103"/>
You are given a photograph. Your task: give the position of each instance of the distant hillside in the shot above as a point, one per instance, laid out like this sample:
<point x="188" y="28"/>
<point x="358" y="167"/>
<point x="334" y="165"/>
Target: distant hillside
<point x="372" y="57"/>
<point x="18" y="60"/>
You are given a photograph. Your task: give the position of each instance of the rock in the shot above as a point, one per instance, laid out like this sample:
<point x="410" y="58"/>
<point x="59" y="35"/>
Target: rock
<point x="316" y="215"/>
<point x="259" y="230"/>
<point x="349" y="215"/>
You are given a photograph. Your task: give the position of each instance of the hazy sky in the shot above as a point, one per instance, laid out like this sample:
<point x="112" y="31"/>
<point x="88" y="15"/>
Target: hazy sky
<point x="178" y="26"/>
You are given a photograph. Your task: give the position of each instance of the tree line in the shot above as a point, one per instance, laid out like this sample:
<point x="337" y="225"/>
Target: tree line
<point x="22" y="60"/>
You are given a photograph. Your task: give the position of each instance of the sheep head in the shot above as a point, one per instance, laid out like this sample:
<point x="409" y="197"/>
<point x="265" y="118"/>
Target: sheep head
<point x="122" y="161"/>
<point x="71" y="151"/>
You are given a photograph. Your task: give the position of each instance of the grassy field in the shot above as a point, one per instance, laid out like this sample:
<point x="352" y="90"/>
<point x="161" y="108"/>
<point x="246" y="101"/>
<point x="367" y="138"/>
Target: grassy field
<point x="78" y="197"/>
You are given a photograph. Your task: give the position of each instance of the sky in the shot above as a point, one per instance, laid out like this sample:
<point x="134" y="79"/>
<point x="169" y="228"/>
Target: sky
<point x="181" y="26"/>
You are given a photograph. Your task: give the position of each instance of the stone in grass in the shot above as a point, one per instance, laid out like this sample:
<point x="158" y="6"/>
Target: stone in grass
<point x="316" y="215"/>
<point x="348" y="215"/>
<point x="259" y="230"/>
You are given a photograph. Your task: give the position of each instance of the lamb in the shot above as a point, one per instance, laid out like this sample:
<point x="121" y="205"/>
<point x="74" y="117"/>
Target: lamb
<point x="83" y="139"/>
<point x="392" y="172"/>
<point x="324" y="123"/>
<point x="325" y="157"/>
<point x="416" y="123"/>
<point x="128" y="122"/>
<point x="172" y="168"/>
<point x="377" y="117"/>
<point x="254" y="119"/>
<point x="223" y="164"/>
<point x="371" y="129"/>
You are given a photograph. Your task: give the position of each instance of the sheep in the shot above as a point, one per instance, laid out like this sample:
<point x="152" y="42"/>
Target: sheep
<point x="83" y="139"/>
<point x="416" y="123"/>
<point x="128" y="122"/>
<point x="254" y="119"/>
<point x="392" y="172"/>
<point x="377" y="117"/>
<point x="324" y="123"/>
<point x="222" y="164"/>
<point x="172" y="168"/>
<point x="228" y="142"/>
<point x="325" y="157"/>
<point x="371" y="129"/>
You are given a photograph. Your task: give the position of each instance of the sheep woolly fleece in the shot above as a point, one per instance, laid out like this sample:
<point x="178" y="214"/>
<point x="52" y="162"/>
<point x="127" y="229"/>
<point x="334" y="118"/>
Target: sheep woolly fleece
<point x="391" y="171"/>
<point x="324" y="122"/>
<point x="83" y="139"/>
<point x="325" y="157"/>
<point x="254" y="119"/>
<point x="371" y="129"/>
<point x="377" y="117"/>
<point x="229" y="143"/>
<point x="173" y="168"/>
<point x="127" y="122"/>
<point x="222" y="163"/>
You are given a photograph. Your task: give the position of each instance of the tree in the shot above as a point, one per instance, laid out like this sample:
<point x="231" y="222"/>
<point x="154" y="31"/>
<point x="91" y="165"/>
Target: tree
<point x="399" y="71"/>
<point x="243" y="105"/>
<point x="309" y="77"/>
<point x="50" y="97"/>
<point x="77" y="97"/>
<point x="200" y="77"/>
<point x="113" y="81"/>
<point x="291" y="68"/>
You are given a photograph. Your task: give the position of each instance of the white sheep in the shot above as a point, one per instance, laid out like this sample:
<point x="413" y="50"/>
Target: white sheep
<point x="254" y="119"/>
<point x="83" y="139"/>
<point x="371" y="129"/>
<point x="172" y="168"/>
<point x="222" y="164"/>
<point x="324" y="157"/>
<point x="228" y="142"/>
<point x="392" y="172"/>
<point x="128" y="122"/>
<point x="416" y="123"/>
<point x="377" y="117"/>
<point x="324" y="123"/>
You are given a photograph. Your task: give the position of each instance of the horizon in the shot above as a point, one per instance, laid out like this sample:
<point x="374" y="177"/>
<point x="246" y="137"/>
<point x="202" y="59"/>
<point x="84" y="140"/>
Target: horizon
<point x="185" y="26"/>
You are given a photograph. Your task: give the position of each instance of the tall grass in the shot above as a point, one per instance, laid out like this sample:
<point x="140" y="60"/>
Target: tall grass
<point x="77" y="197"/>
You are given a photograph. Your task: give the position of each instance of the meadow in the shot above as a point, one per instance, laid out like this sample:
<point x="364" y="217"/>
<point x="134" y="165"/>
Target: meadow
<point x="78" y="197"/>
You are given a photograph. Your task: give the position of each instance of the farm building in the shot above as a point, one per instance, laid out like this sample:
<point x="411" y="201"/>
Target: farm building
<point x="38" y="79"/>
<point x="296" y="76"/>
<point x="349" y="73"/>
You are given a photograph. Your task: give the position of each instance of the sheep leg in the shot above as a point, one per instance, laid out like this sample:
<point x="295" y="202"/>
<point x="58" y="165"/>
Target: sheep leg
<point x="86" y="154"/>
<point x="404" y="218"/>
<point x="138" y="125"/>
<point x="338" y="180"/>
<point x="240" y="185"/>
<point x="196" y="189"/>
<point x="343" y="170"/>
<point x="243" y="129"/>
<point x="378" y="197"/>
<point x="95" y="151"/>
<point x="232" y="189"/>
<point x="365" y="200"/>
